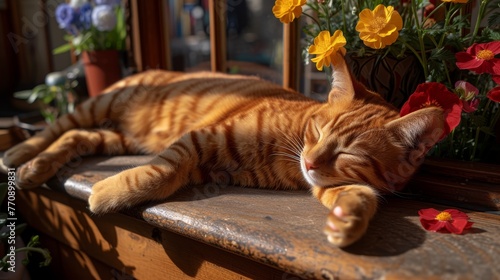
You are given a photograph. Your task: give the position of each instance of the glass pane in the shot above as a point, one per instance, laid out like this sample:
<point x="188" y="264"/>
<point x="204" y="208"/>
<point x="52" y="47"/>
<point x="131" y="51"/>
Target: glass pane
<point x="189" y="30"/>
<point x="254" y="39"/>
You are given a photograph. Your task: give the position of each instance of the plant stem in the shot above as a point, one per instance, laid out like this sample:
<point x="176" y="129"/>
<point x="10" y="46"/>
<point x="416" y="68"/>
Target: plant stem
<point x="417" y="54"/>
<point x="327" y="16"/>
<point x="344" y="22"/>
<point x="479" y="18"/>
<point x="44" y="252"/>
<point x="447" y="13"/>
<point x="315" y="20"/>
<point x="423" y="58"/>
<point x="476" y="140"/>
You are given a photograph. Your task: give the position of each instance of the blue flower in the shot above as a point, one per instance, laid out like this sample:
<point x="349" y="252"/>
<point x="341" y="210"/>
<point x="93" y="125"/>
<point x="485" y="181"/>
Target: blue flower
<point x="65" y="16"/>
<point x="85" y="16"/>
<point x="104" y="18"/>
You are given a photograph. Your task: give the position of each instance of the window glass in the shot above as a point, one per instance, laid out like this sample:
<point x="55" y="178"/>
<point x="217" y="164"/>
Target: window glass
<point x="189" y="31"/>
<point x="254" y="39"/>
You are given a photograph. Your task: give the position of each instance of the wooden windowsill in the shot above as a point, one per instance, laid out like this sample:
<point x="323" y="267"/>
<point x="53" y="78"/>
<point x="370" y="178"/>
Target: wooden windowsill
<point x="275" y="230"/>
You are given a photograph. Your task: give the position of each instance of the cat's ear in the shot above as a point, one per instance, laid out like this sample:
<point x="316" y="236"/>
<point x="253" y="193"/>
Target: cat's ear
<point x="420" y="130"/>
<point x="342" y="86"/>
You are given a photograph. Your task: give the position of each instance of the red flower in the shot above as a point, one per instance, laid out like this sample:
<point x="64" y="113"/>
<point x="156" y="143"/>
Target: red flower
<point x="496" y="78"/>
<point x="494" y="94"/>
<point x="435" y="94"/>
<point x="468" y="94"/>
<point x="450" y="220"/>
<point x="480" y="58"/>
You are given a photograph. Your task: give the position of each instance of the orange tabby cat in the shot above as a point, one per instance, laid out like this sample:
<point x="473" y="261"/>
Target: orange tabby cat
<point x="347" y="151"/>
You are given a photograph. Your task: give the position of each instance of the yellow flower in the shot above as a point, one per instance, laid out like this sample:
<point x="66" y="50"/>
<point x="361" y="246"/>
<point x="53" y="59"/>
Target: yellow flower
<point x="456" y="1"/>
<point x="287" y="10"/>
<point x="379" y="28"/>
<point x="326" y="48"/>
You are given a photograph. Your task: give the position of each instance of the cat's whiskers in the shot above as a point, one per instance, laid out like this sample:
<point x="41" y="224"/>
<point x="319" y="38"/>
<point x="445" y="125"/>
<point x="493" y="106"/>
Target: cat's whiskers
<point x="288" y="156"/>
<point x="289" y="152"/>
<point x="292" y="143"/>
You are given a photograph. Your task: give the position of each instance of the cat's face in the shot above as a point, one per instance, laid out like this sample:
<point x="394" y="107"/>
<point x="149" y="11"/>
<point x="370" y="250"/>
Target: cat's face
<point x="358" y="138"/>
<point x="356" y="150"/>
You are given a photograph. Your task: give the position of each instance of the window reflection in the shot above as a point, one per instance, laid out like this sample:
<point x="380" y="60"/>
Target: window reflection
<point x="254" y="37"/>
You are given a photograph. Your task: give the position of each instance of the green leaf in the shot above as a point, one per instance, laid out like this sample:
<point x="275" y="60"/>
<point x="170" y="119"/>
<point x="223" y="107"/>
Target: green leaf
<point x="34" y="241"/>
<point x="38" y="92"/>
<point x="62" y="49"/>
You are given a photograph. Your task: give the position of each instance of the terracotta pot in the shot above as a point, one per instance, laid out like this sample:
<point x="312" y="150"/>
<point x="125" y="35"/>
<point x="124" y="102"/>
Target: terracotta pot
<point x="102" y="69"/>
<point x="394" y="79"/>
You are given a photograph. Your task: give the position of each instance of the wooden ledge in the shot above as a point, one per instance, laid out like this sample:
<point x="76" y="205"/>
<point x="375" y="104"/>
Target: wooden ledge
<point x="279" y="233"/>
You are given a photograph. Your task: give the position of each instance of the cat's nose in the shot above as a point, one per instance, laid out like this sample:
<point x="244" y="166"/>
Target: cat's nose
<point x="310" y="165"/>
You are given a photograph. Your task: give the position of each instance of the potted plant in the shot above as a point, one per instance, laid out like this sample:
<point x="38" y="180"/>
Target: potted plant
<point x="96" y="31"/>
<point x="452" y="50"/>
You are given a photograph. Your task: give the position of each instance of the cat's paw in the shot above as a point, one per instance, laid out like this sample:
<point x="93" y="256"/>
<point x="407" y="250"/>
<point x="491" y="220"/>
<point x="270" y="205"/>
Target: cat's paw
<point x="34" y="173"/>
<point x="347" y="221"/>
<point x="19" y="154"/>
<point x="104" y="197"/>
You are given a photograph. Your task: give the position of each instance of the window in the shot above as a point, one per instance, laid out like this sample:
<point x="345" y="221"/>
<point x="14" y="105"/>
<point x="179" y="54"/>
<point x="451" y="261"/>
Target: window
<point x="236" y="36"/>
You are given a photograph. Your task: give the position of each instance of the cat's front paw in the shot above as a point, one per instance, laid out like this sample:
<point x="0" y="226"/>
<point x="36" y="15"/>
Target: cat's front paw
<point x="19" y="154"/>
<point x="34" y="173"/>
<point x="105" y="197"/>
<point x="350" y="215"/>
<point x="342" y="229"/>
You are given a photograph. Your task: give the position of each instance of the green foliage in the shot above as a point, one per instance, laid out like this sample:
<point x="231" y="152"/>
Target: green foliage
<point x="56" y="100"/>
<point x="31" y="247"/>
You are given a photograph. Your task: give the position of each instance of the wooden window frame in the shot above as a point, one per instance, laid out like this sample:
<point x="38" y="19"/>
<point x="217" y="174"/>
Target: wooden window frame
<point x="154" y="51"/>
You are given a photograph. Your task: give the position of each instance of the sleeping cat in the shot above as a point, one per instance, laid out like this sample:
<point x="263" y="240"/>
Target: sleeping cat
<point x="346" y="151"/>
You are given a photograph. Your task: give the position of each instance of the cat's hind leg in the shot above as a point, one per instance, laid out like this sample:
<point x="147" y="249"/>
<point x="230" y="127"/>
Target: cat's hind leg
<point x="351" y="209"/>
<point x="167" y="172"/>
<point x="73" y="143"/>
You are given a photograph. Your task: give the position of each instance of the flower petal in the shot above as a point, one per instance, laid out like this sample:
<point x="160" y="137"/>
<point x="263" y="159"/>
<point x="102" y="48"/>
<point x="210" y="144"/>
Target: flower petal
<point x="493" y="46"/>
<point x="428" y="213"/>
<point x="436" y="225"/>
<point x="467" y="61"/>
<point x="494" y="94"/>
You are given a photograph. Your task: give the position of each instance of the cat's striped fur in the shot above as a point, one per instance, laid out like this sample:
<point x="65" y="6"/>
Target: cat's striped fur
<point x="347" y="150"/>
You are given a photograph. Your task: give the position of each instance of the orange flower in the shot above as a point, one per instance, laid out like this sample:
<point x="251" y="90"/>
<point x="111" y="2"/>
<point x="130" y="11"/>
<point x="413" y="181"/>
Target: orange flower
<point x="326" y="48"/>
<point x="287" y="10"/>
<point x="450" y="220"/>
<point x="380" y="27"/>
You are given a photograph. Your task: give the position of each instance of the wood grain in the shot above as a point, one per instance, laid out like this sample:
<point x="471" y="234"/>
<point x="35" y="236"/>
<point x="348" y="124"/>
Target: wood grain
<point x="217" y="11"/>
<point x="291" y="55"/>
<point x="103" y="246"/>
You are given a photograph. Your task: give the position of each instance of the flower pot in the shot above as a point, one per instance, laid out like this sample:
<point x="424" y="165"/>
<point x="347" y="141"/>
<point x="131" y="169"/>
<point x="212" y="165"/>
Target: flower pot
<point x="102" y="69"/>
<point x="394" y="79"/>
